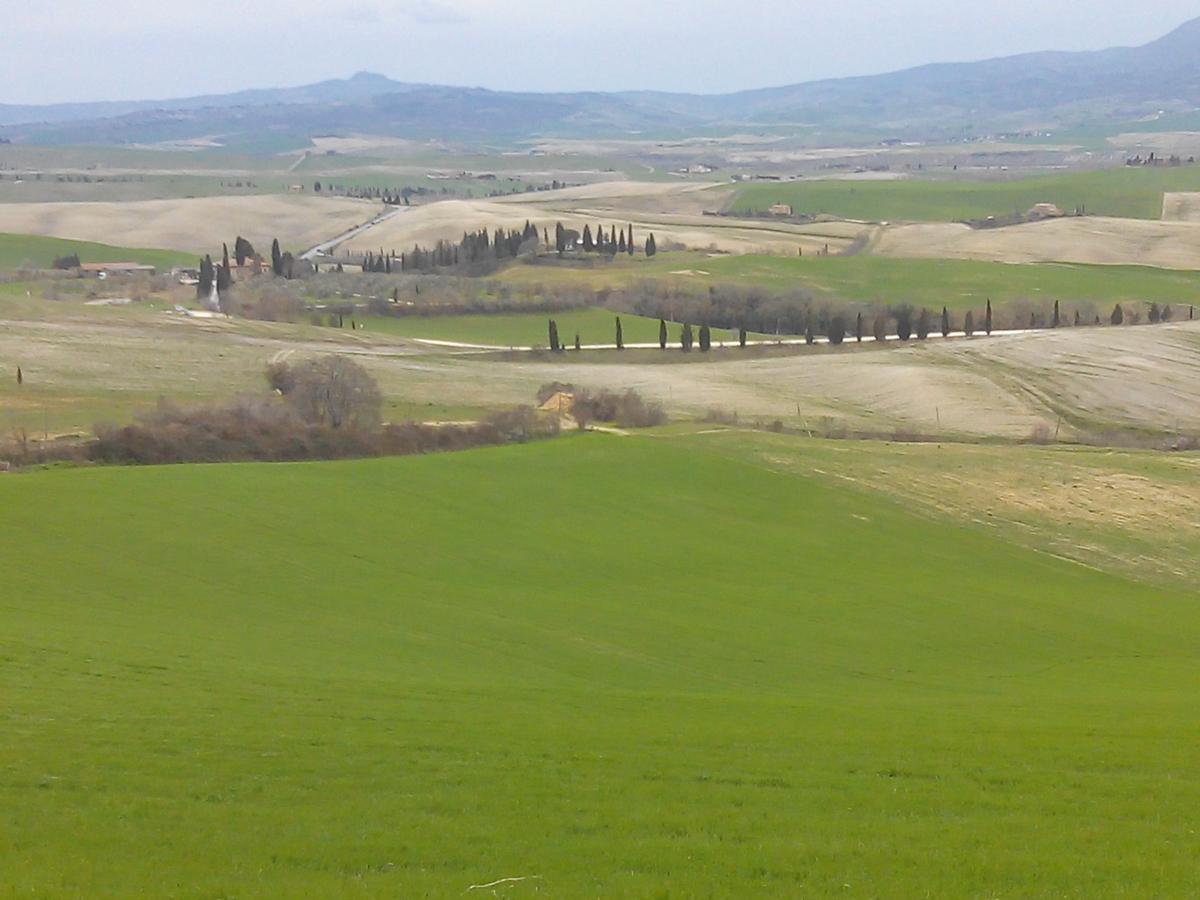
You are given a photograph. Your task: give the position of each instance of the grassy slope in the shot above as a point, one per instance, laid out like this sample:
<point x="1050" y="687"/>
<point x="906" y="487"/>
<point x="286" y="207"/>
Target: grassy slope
<point x="954" y="283"/>
<point x="594" y="326"/>
<point x="628" y="666"/>
<point x="1126" y="192"/>
<point x="20" y="249"/>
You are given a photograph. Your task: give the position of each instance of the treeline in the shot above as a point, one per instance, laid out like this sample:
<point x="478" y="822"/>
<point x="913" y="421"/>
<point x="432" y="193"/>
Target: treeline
<point x="801" y="314"/>
<point x="475" y="247"/>
<point x="325" y="408"/>
<point x="1173" y="161"/>
<point x="260" y="431"/>
<point x="482" y="247"/>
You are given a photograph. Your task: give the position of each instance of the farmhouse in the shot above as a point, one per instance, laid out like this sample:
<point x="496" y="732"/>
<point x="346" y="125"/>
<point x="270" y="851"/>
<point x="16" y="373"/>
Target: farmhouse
<point x="103" y="270"/>
<point x="1046" y="211"/>
<point x="780" y="209"/>
<point x="254" y="265"/>
<point x="559" y="402"/>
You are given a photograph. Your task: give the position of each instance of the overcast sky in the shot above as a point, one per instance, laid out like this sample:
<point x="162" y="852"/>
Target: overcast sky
<point x="136" y="49"/>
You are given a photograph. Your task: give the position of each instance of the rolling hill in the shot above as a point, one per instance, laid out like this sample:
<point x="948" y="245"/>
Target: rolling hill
<point x="607" y="666"/>
<point x="1052" y="90"/>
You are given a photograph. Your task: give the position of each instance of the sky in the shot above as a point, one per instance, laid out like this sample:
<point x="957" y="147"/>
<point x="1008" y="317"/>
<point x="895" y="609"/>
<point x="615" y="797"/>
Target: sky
<point x="69" y="50"/>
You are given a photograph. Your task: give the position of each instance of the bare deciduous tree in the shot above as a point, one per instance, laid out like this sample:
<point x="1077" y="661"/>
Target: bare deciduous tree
<point x="332" y="390"/>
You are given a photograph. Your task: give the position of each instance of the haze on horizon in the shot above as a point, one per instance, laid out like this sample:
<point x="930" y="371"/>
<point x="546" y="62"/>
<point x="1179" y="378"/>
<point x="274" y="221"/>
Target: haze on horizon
<point x="63" y="52"/>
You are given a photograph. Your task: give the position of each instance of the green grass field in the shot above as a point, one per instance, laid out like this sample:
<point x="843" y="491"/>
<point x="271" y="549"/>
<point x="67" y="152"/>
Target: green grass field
<point x="626" y="666"/>
<point x="594" y="326"/>
<point x="959" y="284"/>
<point x="1127" y="192"/>
<point x="18" y="250"/>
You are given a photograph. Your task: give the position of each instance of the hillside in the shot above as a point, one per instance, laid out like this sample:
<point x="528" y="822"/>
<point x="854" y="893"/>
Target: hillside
<point x="1052" y="90"/>
<point x="610" y="666"/>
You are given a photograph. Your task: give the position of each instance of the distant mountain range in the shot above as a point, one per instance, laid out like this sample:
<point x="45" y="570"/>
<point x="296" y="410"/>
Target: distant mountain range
<point x="1037" y="91"/>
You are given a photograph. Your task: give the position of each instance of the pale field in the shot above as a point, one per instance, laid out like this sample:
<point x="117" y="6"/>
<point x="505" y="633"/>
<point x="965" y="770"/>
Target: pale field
<point x="1071" y="381"/>
<point x="1134" y="512"/>
<point x="1092" y="239"/>
<point x="194" y="225"/>
<point x="1165" y="143"/>
<point x="1181" y="207"/>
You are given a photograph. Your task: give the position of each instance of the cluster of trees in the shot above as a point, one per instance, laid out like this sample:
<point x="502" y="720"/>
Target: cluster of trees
<point x="475" y="247"/>
<point x="327" y="408"/>
<point x="391" y="196"/>
<point x="481" y="247"/>
<point x="611" y="243"/>
<point x="1155" y="160"/>
<point x="283" y="265"/>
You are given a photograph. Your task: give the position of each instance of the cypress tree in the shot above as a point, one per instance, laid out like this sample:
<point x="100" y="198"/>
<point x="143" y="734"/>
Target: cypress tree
<point x="705" y="338"/>
<point x="1118" y="315"/>
<point x="662" y="334"/>
<point x="204" y="287"/>
<point x="20" y="377"/>
<point x="552" y="335"/>
<point x="922" y="324"/>
<point x="685" y="338"/>
<point x="629" y="243"/>
<point x="621" y="242"/>
<point x="858" y="329"/>
<point x="1057" y="320"/>
<point x="620" y="335"/>
<point x="651" y="246"/>
<point x="588" y="243"/>
<point x="969" y="324"/>
<point x="837" y="330"/>
<point x="987" y="317"/>
<point x="276" y="258"/>
<point x="578" y="346"/>
<point x="242" y="250"/>
<point x="945" y="322"/>
<point x="904" y="323"/>
<point x="225" y="256"/>
<point x="742" y="337"/>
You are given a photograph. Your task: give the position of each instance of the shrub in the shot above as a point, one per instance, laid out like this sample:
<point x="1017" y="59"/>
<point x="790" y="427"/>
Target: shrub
<point x="627" y="410"/>
<point x="272" y="431"/>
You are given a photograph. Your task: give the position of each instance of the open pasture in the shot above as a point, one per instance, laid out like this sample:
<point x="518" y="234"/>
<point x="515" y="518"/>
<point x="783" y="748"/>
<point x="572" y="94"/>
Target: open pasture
<point x="957" y="283"/>
<point x="447" y="679"/>
<point x="38" y="252"/>
<point x="1135" y="193"/>
<point x="593" y="325"/>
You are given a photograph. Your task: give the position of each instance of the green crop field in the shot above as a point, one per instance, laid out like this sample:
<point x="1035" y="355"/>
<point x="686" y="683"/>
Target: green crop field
<point x="594" y="326"/>
<point x="17" y="250"/>
<point x="1127" y="192"/>
<point x="959" y="284"/>
<point x="612" y="666"/>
